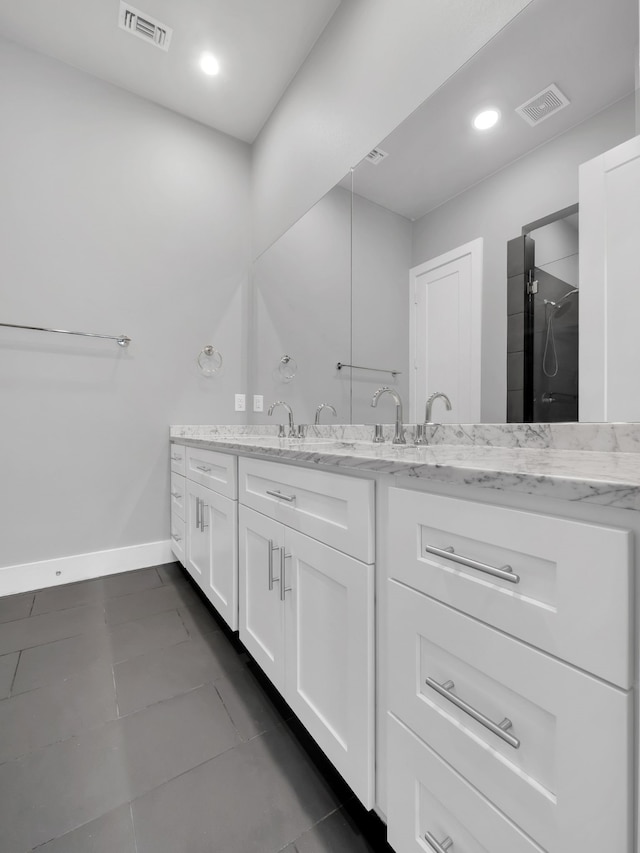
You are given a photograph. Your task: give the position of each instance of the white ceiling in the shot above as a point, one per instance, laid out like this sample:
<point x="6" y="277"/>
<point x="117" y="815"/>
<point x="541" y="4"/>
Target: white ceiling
<point x="260" y="44"/>
<point x="587" y="47"/>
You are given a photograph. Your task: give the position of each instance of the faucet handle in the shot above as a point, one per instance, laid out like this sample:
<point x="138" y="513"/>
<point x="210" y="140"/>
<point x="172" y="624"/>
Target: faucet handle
<point x="421" y="434"/>
<point x="378" y="435"/>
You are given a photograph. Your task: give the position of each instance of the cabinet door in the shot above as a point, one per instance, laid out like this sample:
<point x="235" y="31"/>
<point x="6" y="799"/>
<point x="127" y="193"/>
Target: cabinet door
<point x="220" y="581"/>
<point x="329" y="654"/>
<point x="261" y="614"/>
<point x="196" y="534"/>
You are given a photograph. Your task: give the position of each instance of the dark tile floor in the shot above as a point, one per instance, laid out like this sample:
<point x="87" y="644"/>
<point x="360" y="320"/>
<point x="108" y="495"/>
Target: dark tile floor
<point x="131" y="722"/>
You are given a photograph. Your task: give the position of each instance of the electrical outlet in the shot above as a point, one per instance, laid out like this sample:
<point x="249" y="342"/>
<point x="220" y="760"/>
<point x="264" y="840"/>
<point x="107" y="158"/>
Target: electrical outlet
<point x="241" y="403"/>
<point x="258" y="403"/>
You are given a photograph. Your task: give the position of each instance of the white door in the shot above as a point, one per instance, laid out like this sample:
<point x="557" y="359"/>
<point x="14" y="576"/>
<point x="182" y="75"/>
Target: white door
<point x="609" y="297"/>
<point x="221" y="580"/>
<point x="329" y="655"/>
<point x="446" y="321"/>
<point x="261" y="614"/>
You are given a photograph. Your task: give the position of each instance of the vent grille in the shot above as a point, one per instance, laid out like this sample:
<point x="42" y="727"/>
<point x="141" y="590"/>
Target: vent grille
<point x="543" y="105"/>
<point x="144" y="26"/>
<point x="376" y="156"/>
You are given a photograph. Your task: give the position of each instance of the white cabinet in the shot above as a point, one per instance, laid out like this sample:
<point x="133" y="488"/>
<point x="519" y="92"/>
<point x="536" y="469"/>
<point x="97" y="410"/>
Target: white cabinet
<point x="307" y="617"/>
<point x="204" y="524"/>
<point x="178" y="497"/>
<point x="212" y="557"/>
<point x="497" y="734"/>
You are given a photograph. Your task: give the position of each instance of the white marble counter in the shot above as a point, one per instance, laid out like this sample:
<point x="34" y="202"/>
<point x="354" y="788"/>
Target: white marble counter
<point x="608" y="478"/>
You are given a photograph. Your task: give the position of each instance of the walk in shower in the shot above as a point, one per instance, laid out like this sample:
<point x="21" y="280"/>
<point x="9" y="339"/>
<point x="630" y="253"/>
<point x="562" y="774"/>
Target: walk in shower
<point x="542" y="340"/>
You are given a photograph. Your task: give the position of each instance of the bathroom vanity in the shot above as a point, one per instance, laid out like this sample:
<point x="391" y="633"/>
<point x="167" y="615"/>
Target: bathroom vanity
<point x="454" y="624"/>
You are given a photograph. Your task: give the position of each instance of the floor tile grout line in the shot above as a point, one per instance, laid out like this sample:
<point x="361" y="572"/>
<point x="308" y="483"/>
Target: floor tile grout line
<point x="133" y="826"/>
<point x="15" y="672"/>
<point x="33" y="604"/>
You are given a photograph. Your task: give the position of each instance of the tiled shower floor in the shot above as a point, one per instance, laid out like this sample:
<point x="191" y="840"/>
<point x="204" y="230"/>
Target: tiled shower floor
<point x="131" y="723"/>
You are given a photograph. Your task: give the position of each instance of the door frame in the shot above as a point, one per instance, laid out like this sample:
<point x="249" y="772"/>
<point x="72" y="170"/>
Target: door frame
<point x="475" y="249"/>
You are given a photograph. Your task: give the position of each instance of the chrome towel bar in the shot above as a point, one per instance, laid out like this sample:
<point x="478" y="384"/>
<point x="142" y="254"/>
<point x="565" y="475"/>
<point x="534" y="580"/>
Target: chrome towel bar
<point x="340" y="365"/>
<point x="121" y="340"/>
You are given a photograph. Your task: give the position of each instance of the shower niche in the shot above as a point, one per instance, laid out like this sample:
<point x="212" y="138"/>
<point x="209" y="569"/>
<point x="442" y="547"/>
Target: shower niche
<point x="542" y="321"/>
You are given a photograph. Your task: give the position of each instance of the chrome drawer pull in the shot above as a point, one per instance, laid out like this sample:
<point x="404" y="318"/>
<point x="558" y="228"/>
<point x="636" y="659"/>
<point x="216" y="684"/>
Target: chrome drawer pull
<point x="203" y="468"/>
<point x="272" y="548"/>
<point x="177" y="458"/>
<point x="439" y="847"/>
<point x="197" y="513"/>
<point x="176" y="537"/>
<point x="284" y="589"/>
<point x="175" y="495"/>
<point x="499" y="729"/>
<point x="288" y="498"/>
<point x="506" y="572"/>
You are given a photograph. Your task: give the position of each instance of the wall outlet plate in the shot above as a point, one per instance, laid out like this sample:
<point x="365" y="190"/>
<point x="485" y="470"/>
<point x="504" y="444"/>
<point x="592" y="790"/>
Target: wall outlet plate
<point x="241" y="402"/>
<point x="258" y="403"/>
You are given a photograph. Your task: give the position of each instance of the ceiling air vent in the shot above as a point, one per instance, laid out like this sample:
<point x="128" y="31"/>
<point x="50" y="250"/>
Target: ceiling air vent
<point x="376" y="156"/>
<point x="544" y="104"/>
<point x="144" y="26"/>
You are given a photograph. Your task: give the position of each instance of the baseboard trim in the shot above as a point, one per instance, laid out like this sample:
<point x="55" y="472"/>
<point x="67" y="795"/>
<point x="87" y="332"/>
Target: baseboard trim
<point x="79" y="567"/>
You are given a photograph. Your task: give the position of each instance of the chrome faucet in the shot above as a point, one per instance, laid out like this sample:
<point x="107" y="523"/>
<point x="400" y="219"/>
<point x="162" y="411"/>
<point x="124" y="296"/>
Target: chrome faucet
<point x="399" y="436"/>
<point x="431" y="401"/>
<point x="320" y="408"/>
<point x="292" y="429"/>
<point x="421" y="429"/>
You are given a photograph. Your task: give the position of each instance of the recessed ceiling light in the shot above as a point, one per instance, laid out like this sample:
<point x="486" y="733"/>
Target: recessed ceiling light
<point x="486" y="119"/>
<point x="209" y="64"/>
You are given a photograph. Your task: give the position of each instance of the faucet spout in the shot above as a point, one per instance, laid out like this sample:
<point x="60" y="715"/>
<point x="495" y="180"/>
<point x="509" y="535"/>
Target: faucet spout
<point x="431" y="401"/>
<point x="399" y="435"/>
<point x="324" y="406"/>
<point x="288" y="408"/>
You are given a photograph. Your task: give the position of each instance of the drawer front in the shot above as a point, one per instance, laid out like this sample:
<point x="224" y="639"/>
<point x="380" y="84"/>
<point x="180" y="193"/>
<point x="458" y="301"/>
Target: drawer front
<point x="334" y="509"/>
<point x="177" y="495"/>
<point x="426" y="796"/>
<point x="177" y="537"/>
<point x="213" y="470"/>
<point x="177" y="455"/>
<point x="573" y="595"/>
<point x="572" y="751"/>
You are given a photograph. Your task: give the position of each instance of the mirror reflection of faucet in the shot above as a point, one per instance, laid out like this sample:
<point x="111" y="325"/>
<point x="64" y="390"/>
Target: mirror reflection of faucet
<point x="399" y="435"/>
<point x="421" y="429"/>
<point x="294" y="431"/>
<point x="320" y="408"/>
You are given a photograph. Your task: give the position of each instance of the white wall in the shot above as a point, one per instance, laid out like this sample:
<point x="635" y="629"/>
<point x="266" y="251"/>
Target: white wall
<point x="302" y="309"/>
<point x="117" y="216"/>
<point x="380" y="329"/>
<point x="374" y="64"/>
<point x="496" y="209"/>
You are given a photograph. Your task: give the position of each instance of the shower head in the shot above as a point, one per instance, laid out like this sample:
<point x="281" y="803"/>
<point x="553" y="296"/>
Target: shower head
<point x="562" y="306"/>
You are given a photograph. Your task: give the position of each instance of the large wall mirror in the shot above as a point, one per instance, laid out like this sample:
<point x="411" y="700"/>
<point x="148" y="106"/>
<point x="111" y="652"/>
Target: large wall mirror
<point x="402" y="270"/>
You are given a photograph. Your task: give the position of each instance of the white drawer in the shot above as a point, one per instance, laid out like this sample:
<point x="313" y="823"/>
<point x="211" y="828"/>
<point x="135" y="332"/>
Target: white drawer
<point x="177" y="495"/>
<point x="213" y="470"/>
<point x="334" y="509"/>
<point x="574" y="758"/>
<point x="573" y="598"/>
<point x="178" y="455"/>
<point x="427" y="796"/>
<point x="177" y="537"/>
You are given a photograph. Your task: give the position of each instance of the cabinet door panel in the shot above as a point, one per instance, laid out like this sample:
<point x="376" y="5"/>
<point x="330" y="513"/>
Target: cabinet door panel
<point x="261" y="614"/>
<point x="197" y="538"/>
<point x="221" y="580"/>
<point x="329" y="654"/>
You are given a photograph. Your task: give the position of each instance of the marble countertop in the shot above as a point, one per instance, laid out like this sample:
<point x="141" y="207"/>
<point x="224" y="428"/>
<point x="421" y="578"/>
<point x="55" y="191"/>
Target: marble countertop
<point x="607" y="478"/>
